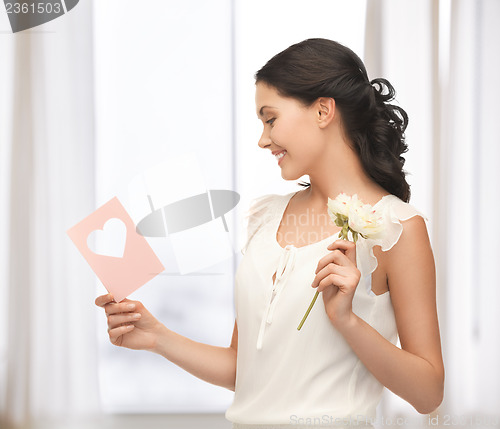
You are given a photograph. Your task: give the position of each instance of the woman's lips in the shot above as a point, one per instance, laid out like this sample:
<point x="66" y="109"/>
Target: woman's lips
<point x="279" y="156"/>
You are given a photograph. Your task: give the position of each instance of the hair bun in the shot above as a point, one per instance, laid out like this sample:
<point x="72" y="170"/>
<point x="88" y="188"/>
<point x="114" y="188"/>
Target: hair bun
<point x="383" y="89"/>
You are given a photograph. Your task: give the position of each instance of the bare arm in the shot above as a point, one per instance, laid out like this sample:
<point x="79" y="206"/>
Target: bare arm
<point x="216" y="365"/>
<point x="131" y="325"/>
<point x="416" y="371"/>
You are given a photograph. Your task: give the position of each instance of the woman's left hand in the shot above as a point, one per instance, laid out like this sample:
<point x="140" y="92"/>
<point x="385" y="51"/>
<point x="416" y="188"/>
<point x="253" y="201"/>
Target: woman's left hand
<point x="337" y="276"/>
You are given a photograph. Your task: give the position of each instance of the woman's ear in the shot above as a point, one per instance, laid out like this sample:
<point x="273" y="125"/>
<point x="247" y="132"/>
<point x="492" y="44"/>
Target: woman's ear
<point x="325" y="111"/>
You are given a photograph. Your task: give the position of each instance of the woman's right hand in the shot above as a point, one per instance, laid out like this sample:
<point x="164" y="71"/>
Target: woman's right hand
<point x="130" y="324"/>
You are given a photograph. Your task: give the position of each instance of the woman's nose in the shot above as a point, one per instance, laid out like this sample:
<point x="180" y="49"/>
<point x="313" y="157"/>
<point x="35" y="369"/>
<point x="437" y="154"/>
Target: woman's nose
<point x="264" y="140"/>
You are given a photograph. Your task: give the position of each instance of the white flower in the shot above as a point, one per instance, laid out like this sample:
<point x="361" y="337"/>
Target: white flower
<point x="365" y="221"/>
<point x="355" y="203"/>
<point x="351" y="214"/>
<point x="338" y="209"/>
<point x="340" y="205"/>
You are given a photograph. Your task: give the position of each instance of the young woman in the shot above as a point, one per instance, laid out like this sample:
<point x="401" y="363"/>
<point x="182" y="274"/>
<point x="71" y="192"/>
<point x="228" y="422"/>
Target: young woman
<point x="323" y="118"/>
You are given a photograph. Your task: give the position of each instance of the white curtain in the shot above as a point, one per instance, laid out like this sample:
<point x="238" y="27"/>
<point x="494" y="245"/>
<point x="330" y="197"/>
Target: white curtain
<point x="443" y="59"/>
<point x="48" y="338"/>
<point x="471" y="150"/>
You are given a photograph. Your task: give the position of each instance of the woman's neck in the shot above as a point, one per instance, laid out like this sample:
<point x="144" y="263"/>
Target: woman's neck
<point x="340" y="170"/>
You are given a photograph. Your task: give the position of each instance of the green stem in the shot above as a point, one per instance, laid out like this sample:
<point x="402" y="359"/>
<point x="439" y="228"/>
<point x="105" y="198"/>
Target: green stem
<point x="308" y="310"/>
<point x="355" y="238"/>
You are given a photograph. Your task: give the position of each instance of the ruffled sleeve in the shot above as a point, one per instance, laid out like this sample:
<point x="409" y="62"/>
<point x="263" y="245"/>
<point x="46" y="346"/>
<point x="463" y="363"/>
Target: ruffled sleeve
<point x="393" y="210"/>
<point x="258" y="214"/>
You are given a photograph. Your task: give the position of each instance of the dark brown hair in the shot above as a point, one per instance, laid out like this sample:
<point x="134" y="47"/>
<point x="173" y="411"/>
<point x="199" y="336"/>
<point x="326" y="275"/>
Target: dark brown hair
<point x="319" y="67"/>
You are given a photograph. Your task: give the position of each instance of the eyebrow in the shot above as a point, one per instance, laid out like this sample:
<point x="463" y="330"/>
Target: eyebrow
<point x="262" y="109"/>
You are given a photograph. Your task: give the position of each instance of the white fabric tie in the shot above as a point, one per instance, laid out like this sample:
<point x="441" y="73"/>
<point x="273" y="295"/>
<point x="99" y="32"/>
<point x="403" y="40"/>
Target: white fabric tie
<point x="285" y="267"/>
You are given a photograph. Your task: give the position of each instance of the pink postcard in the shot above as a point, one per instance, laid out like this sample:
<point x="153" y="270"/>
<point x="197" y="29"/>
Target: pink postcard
<point x="129" y="263"/>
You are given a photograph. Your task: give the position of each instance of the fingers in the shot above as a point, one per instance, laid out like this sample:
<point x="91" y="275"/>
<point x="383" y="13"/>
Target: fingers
<point x="342" y="244"/>
<point x="102" y="300"/>
<point x="120" y="319"/>
<point x="332" y="279"/>
<point x="348" y="248"/>
<point x="329" y="270"/>
<point x="122" y="307"/>
<point x="337" y="256"/>
<point x="346" y="281"/>
<point x="338" y="267"/>
<point x="121" y="316"/>
<point x="115" y="334"/>
<point x="119" y="325"/>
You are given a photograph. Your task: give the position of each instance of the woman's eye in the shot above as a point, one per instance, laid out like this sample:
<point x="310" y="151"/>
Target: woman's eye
<point x="270" y="121"/>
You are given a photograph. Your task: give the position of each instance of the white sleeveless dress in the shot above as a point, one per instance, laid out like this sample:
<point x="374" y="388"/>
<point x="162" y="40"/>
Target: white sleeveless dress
<point x="308" y="378"/>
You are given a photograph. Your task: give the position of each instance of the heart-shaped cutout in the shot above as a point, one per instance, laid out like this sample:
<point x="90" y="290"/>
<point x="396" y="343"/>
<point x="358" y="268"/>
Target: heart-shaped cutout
<point x="110" y="240"/>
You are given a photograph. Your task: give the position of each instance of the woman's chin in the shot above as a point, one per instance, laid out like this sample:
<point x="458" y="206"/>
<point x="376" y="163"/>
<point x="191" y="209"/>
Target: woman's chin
<point x="290" y="175"/>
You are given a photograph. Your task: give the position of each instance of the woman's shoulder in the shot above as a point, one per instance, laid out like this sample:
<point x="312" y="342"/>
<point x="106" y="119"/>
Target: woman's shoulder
<point x="398" y="217"/>
<point x="407" y="252"/>
<point x="395" y="212"/>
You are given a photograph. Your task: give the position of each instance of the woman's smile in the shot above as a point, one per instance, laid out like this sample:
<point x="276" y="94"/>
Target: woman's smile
<point x="279" y="156"/>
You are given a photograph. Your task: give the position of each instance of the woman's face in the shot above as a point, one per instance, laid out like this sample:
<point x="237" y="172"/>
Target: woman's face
<point x="290" y="126"/>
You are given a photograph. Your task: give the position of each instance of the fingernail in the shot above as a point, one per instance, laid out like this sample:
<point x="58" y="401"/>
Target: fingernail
<point x="136" y="315"/>
<point x="130" y="306"/>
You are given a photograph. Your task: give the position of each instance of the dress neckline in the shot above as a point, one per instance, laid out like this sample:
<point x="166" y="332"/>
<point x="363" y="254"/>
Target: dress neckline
<point x="280" y="214"/>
